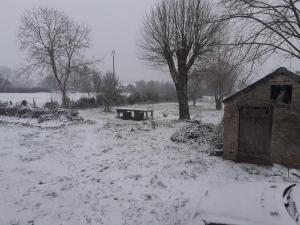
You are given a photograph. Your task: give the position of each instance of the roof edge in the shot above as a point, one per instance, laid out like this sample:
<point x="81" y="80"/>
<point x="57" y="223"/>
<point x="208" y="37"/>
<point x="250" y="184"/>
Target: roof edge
<point x="280" y="70"/>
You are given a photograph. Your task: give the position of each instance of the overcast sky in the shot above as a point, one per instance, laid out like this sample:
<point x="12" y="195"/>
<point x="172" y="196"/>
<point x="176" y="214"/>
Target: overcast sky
<point x="115" y="25"/>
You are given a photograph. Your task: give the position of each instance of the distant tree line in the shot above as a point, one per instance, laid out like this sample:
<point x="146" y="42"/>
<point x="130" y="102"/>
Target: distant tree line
<point x="11" y="89"/>
<point x="102" y="89"/>
<point x="9" y="85"/>
<point x="4" y="83"/>
<point x="150" y="91"/>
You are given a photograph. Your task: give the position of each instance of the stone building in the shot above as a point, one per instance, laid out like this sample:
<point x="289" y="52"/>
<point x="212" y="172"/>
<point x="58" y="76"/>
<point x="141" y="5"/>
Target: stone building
<point x="262" y="121"/>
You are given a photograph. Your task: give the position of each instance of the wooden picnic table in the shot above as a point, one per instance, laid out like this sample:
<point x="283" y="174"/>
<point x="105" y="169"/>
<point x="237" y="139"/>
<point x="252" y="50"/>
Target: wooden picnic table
<point x="138" y="114"/>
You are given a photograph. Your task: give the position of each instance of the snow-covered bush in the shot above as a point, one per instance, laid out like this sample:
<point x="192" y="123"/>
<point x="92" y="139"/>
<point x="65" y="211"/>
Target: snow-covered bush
<point x="217" y="140"/>
<point x="197" y="132"/>
<point x="41" y="114"/>
<point x="84" y="102"/>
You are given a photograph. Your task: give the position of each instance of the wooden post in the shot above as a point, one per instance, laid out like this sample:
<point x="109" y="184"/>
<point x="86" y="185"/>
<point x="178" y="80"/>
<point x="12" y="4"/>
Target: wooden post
<point x="34" y="104"/>
<point x="147" y="116"/>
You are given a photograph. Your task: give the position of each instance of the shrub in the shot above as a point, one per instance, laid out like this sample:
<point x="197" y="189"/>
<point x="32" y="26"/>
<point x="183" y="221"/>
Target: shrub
<point x="99" y="100"/>
<point x="85" y="102"/>
<point x="51" y="105"/>
<point x="136" y="98"/>
<point x="24" y="103"/>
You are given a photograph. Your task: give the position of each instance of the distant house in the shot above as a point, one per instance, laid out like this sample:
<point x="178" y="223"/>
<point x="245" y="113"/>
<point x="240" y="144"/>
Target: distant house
<point x="262" y="121"/>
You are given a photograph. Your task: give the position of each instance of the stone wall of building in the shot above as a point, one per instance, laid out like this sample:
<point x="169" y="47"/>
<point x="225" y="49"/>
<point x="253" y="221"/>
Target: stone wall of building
<point x="231" y="132"/>
<point x="285" y="144"/>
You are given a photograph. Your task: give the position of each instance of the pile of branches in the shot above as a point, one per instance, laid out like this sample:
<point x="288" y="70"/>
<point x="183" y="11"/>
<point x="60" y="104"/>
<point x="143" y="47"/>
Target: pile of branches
<point x="41" y="114"/>
<point x="197" y="132"/>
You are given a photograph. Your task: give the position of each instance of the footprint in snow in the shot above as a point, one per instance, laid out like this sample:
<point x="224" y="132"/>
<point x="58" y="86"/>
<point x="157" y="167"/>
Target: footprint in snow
<point x="135" y="177"/>
<point x="161" y="184"/>
<point x="52" y="195"/>
<point x="103" y="169"/>
<point x="106" y="150"/>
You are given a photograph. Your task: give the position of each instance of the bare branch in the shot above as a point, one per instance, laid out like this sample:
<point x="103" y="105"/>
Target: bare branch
<point x="272" y="25"/>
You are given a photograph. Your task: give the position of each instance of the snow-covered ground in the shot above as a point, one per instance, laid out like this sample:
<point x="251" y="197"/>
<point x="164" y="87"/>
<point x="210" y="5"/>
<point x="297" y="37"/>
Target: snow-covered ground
<point x="113" y="172"/>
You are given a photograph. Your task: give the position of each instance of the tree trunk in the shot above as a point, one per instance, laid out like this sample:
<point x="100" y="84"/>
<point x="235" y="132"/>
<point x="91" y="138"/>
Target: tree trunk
<point x="64" y="99"/>
<point x="107" y="108"/>
<point x="194" y="101"/>
<point x="107" y="104"/>
<point x="183" y="102"/>
<point x="218" y="101"/>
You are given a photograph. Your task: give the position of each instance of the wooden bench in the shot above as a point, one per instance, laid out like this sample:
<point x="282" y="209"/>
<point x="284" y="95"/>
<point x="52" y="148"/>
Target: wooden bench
<point x="138" y="114"/>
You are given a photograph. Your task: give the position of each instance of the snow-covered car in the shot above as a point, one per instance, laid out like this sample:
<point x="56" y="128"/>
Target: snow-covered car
<point x="250" y="204"/>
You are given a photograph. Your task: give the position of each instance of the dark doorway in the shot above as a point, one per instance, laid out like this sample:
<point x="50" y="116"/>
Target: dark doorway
<point x="255" y="135"/>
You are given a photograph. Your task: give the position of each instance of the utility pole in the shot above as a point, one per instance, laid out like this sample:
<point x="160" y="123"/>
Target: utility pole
<point x="113" y="54"/>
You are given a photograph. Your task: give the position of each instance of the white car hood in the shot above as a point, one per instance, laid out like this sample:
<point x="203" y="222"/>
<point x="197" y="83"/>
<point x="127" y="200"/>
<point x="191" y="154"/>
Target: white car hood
<point x="250" y="203"/>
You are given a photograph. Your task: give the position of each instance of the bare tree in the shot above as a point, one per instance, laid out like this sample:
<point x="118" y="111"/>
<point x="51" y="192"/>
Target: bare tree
<point x="221" y="67"/>
<point x="268" y="26"/>
<point x="54" y="43"/>
<point x="221" y="70"/>
<point x="83" y="80"/>
<point x="109" y="90"/>
<point x="97" y="81"/>
<point x="223" y="80"/>
<point x="5" y="77"/>
<point x="194" y="87"/>
<point x="176" y="34"/>
<point x="3" y="83"/>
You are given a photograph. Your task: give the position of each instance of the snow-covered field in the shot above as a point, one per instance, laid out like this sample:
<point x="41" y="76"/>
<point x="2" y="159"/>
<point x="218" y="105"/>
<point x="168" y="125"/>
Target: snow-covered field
<point x="113" y="172"/>
<point x="39" y="98"/>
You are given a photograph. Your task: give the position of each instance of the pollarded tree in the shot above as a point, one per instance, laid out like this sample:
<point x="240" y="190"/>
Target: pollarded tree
<point x="176" y="34"/>
<point x="54" y="44"/>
